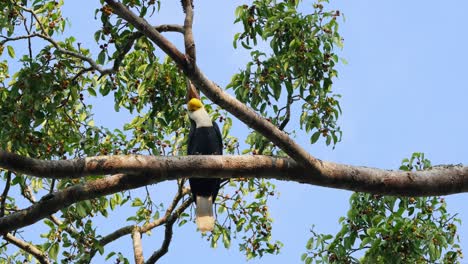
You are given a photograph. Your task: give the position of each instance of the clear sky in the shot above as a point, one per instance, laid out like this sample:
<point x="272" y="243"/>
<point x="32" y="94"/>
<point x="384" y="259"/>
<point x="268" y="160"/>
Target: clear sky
<point x="404" y="90"/>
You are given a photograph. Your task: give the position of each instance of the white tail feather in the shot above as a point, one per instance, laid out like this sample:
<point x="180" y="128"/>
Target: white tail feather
<point x="204" y="214"/>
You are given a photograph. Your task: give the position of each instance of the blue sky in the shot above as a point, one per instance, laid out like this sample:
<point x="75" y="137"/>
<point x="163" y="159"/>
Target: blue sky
<point x="404" y="90"/>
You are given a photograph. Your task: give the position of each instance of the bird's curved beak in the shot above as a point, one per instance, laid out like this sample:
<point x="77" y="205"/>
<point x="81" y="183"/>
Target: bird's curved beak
<point x="192" y="92"/>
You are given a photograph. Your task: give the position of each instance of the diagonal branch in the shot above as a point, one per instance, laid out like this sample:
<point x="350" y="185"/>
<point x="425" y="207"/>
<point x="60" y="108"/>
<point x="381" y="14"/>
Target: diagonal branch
<point x="136" y="35"/>
<point x="146" y="227"/>
<point x="217" y="95"/>
<point x="143" y="26"/>
<point x="28" y="247"/>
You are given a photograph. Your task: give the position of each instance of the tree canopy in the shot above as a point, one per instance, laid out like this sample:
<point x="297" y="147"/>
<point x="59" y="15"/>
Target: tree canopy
<point x="62" y="169"/>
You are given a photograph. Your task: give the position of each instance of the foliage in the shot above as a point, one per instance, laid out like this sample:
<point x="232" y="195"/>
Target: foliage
<point x="298" y="65"/>
<point x="388" y="229"/>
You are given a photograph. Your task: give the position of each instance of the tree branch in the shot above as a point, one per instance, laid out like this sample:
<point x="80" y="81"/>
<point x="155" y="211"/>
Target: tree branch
<point x="5" y="193"/>
<point x="70" y="229"/>
<point x="170" y="28"/>
<point x="30" y="248"/>
<point x="143" y="170"/>
<point x="146" y="227"/>
<point x="136" y="35"/>
<point x="168" y="233"/>
<point x="188" y="35"/>
<point x="137" y="248"/>
<point x="440" y="180"/>
<point x="142" y="25"/>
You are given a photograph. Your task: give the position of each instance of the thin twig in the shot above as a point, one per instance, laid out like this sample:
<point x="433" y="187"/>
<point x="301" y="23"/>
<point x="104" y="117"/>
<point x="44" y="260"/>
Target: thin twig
<point x="35" y="17"/>
<point x="69" y="228"/>
<point x="28" y="30"/>
<point x="5" y="193"/>
<point x="126" y="230"/>
<point x="168" y="233"/>
<point x="288" y="113"/>
<point x="143" y="26"/>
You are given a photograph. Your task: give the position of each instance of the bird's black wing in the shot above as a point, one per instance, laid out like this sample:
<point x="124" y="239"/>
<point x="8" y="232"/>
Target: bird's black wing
<point x="220" y="138"/>
<point x="193" y="127"/>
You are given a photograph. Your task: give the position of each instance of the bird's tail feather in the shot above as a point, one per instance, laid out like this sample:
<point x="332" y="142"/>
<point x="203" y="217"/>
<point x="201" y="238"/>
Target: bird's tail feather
<point x="204" y="214"/>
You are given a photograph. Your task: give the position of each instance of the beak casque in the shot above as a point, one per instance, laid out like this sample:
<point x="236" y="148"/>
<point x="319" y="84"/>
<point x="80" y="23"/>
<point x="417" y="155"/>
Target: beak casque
<point x="192" y="92"/>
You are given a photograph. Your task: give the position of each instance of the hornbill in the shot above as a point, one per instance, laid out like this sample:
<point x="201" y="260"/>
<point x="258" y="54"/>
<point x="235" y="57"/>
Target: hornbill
<point x="204" y="139"/>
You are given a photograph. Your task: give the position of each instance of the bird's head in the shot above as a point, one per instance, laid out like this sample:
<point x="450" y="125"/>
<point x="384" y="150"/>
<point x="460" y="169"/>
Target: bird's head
<point x="194" y="104"/>
<point x="198" y="113"/>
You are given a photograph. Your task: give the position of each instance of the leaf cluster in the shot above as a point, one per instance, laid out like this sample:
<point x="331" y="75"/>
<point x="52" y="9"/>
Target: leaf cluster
<point x="297" y="67"/>
<point x="387" y="229"/>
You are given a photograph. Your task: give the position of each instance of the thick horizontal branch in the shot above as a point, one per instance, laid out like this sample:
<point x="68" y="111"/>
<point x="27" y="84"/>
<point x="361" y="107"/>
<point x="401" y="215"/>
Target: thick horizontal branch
<point x="138" y="171"/>
<point x="440" y="180"/>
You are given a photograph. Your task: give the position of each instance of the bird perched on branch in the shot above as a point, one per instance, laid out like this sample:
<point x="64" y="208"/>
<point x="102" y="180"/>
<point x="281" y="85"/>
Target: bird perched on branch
<point x="204" y="139"/>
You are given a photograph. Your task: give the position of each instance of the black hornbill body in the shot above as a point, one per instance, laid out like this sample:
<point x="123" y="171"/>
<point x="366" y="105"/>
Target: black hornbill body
<point x="204" y="139"/>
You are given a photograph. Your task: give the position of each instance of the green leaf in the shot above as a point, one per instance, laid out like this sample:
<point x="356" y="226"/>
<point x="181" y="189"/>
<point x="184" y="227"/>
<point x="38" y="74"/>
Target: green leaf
<point x="110" y="255"/>
<point x="245" y="45"/>
<point x="101" y="57"/>
<point x="214" y="240"/>
<point x="221" y="209"/>
<point x="112" y="203"/>
<point x="81" y="210"/>
<point x="53" y="251"/>
<point x="156" y="215"/>
<point x="11" y="51"/>
<point x="310" y="242"/>
<point x="315" y="137"/>
<point x="234" y="42"/>
<point x="137" y="202"/>
<point x="432" y="253"/>
<point x="181" y="223"/>
<point x="91" y="91"/>
<point x="226" y="239"/>
<point x="365" y="241"/>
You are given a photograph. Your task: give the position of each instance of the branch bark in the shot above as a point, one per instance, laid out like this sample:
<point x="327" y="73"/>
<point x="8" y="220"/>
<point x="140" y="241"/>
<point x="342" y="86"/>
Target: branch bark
<point x="143" y="25"/>
<point x="5" y="193"/>
<point x="188" y="33"/>
<point x="146" y="227"/>
<point x="142" y="170"/>
<point x="139" y="171"/>
<point x="30" y="248"/>
<point x="168" y="232"/>
<point x="137" y="248"/>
